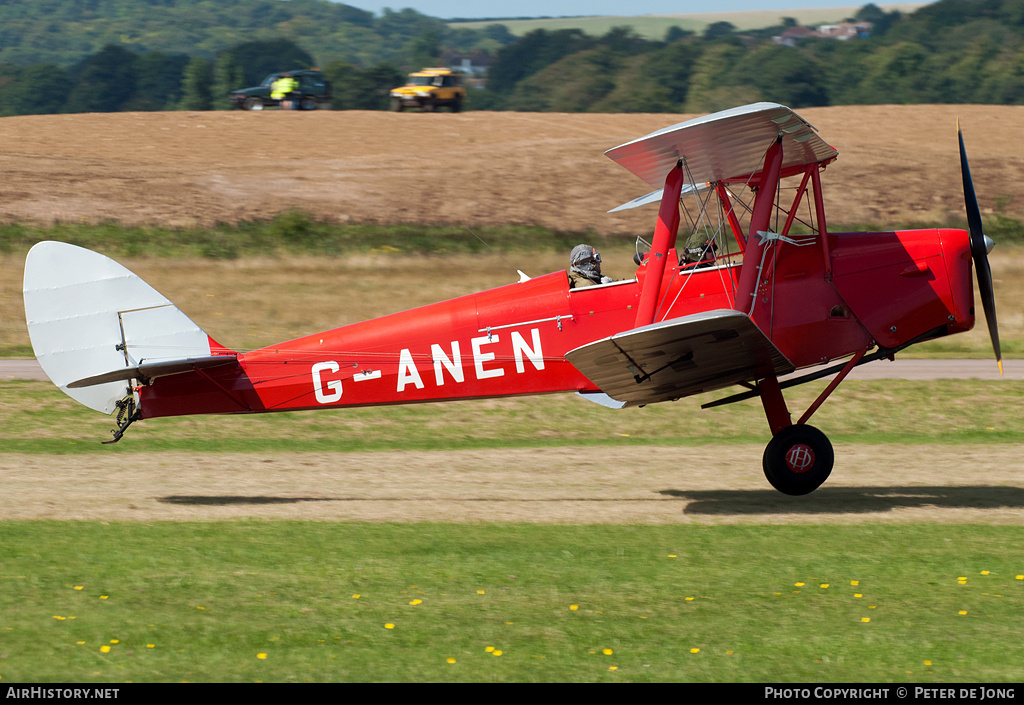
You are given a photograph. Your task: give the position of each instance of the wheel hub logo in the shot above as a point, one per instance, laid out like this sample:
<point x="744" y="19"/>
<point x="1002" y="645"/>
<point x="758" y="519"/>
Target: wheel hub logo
<point x="800" y="458"/>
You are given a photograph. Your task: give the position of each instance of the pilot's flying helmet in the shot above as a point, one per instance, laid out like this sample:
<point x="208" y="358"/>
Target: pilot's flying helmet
<point x="585" y="257"/>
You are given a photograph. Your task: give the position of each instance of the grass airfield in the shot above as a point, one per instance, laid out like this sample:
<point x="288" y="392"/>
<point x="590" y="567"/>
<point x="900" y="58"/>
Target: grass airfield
<point x="529" y="539"/>
<point x="535" y="539"/>
<point x="493" y="602"/>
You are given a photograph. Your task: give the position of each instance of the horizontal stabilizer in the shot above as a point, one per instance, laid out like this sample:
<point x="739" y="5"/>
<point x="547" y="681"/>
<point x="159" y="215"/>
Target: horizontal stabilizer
<point x="152" y="370"/>
<point x="726" y="145"/>
<point x="680" y="357"/>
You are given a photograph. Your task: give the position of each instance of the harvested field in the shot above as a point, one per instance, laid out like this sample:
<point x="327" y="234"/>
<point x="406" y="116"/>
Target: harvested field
<point x="896" y="164"/>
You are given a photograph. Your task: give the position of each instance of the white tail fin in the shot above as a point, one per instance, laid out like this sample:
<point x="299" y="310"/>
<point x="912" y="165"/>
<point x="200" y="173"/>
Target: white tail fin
<point x="89" y="316"/>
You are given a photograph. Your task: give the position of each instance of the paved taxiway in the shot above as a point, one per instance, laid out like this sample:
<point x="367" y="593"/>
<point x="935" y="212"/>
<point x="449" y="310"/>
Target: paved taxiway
<point x="882" y="369"/>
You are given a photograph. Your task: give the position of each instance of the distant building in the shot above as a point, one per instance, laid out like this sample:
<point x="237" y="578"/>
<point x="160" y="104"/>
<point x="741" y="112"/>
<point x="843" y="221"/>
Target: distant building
<point x="475" y="64"/>
<point x="792" y="35"/>
<point x="846" y="30"/>
<point x="842" y="31"/>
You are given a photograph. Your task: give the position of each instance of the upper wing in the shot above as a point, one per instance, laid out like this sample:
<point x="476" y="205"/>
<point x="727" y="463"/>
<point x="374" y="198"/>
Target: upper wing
<point x="724" y="146"/>
<point x="680" y="357"/>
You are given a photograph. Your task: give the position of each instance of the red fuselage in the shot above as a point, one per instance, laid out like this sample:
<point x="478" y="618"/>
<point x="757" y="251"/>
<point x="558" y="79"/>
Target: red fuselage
<point x="815" y="303"/>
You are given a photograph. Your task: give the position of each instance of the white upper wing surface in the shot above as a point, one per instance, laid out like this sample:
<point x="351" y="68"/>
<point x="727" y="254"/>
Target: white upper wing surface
<point x="726" y="145"/>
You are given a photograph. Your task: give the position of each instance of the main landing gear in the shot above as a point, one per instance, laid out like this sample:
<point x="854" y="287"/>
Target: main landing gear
<point x="798" y="459"/>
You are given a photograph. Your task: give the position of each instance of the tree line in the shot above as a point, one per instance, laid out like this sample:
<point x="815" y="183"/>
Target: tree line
<point x="66" y="32"/>
<point x="116" y="79"/>
<point x="951" y="51"/>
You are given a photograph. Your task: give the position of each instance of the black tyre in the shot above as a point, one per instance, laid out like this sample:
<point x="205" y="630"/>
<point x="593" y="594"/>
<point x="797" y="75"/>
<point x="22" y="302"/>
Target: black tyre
<point x="252" y="103"/>
<point x="456" y="105"/>
<point x="396" y="105"/>
<point x="798" y="460"/>
<point x="308" y="104"/>
<point x="428" y="106"/>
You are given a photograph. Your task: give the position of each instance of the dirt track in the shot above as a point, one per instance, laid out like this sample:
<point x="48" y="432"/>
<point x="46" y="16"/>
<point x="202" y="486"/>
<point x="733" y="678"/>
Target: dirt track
<point x="896" y="163"/>
<point x="656" y="485"/>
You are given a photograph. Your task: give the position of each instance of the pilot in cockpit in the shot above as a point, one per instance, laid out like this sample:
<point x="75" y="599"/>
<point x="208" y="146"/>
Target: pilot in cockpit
<point x="585" y="267"/>
<point x="701" y="253"/>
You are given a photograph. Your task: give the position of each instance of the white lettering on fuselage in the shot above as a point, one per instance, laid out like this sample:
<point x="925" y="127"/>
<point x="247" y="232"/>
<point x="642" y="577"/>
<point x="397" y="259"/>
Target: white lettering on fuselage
<point x="333" y="385"/>
<point x="453" y="364"/>
<point x="328" y="391"/>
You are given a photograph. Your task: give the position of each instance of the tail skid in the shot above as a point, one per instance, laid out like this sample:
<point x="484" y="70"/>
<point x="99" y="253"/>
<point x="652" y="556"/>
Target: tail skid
<point x="95" y="326"/>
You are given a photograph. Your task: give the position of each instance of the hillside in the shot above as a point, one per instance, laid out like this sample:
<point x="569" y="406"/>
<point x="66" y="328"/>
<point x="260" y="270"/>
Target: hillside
<point x="896" y="164"/>
<point x="654" y="26"/>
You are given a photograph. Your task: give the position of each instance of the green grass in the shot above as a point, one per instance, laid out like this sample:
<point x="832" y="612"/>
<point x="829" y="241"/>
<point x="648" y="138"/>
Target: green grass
<point x="199" y="602"/>
<point x="296" y="233"/>
<point x="38" y="418"/>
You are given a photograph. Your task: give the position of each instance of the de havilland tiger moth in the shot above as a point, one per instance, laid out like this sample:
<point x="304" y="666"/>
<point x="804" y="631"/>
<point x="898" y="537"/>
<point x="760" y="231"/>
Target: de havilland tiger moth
<point x="755" y="289"/>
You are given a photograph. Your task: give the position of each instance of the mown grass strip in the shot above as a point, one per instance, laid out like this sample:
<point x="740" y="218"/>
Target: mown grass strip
<point x="295" y="233"/>
<point x="38" y="418"/>
<point x="298" y="233"/>
<point x="294" y="601"/>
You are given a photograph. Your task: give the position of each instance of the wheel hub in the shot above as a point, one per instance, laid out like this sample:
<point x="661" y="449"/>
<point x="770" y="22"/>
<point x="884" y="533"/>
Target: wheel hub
<point x="800" y="458"/>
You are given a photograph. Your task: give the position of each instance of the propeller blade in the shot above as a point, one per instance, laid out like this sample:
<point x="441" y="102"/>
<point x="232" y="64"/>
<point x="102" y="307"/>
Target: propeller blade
<point x="979" y="250"/>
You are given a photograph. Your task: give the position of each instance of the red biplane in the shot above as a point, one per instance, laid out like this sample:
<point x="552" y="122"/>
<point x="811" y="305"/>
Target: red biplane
<point x="759" y="289"/>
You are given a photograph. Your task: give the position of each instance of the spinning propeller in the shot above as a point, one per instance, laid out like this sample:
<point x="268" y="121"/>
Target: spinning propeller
<point x="981" y="245"/>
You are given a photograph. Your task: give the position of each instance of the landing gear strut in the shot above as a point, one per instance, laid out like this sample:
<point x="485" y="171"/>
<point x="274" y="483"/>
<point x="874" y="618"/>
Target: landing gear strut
<point x="798" y="459"/>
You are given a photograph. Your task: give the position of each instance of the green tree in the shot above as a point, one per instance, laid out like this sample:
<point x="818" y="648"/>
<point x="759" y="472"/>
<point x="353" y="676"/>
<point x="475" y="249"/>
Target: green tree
<point x="103" y="83"/>
<point x="342" y="76"/>
<point x="424" y="50"/>
<point x="37" y="90"/>
<point x="672" y="68"/>
<point x="894" y="74"/>
<point x="499" y="33"/>
<point x="711" y="86"/>
<point x="260" y="58"/>
<point x="1004" y="82"/>
<point x="842" y="68"/>
<point x="535" y="51"/>
<point x="158" y="81"/>
<point x="719" y="29"/>
<point x="195" y="85"/>
<point x="573" y="84"/>
<point x="227" y="76"/>
<point x="370" y="89"/>
<point x="636" y="92"/>
<point x="675" y="33"/>
<point x="784" y="75"/>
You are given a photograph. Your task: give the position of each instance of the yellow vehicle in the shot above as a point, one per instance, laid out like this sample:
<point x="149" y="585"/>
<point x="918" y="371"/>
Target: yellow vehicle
<point x="429" y="89"/>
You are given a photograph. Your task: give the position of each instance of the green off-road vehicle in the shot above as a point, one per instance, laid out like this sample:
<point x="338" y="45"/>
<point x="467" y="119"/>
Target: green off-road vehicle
<point x="314" y="92"/>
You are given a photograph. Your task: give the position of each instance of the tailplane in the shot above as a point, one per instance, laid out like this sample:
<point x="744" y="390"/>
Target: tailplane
<point x="95" y="326"/>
